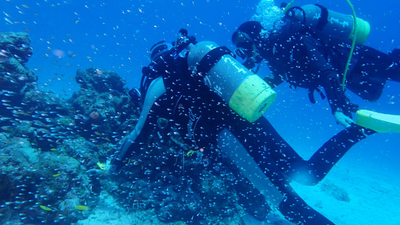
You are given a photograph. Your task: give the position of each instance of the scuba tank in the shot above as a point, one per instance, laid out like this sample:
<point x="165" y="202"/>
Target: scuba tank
<point x="379" y="122"/>
<point x="245" y="93"/>
<point x="331" y="26"/>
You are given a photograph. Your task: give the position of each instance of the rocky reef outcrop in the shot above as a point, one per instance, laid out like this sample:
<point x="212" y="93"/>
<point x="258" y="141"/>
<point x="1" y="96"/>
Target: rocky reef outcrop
<point x="15" y="51"/>
<point x="43" y="160"/>
<point x="102" y="108"/>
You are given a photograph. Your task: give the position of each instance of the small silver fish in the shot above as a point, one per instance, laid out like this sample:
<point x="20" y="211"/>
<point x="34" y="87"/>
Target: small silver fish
<point x="3" y="56"/>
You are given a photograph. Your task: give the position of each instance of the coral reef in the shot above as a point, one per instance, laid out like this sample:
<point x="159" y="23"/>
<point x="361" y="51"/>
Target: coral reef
<point x="37" y="182"/>
<point x="26" y="111"/>
<point x="15" y="51"/>
<point x="43" y="162"/>
<point x="102" y="106"/>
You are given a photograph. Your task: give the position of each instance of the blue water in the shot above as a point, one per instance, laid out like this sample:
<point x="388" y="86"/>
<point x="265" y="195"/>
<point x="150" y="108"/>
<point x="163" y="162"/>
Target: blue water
<point x="116" y="35"/>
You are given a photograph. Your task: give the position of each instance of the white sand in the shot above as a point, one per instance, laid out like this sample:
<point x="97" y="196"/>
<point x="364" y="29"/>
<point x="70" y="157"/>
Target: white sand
<point x="374" y="197"/>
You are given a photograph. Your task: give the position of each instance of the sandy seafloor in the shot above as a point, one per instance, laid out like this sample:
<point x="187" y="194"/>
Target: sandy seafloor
<point x="374" y="197"/>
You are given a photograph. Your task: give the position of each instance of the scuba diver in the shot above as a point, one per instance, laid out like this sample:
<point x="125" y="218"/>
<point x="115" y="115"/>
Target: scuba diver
<point x="310" y="49"/>
<point x="177" y="86"/>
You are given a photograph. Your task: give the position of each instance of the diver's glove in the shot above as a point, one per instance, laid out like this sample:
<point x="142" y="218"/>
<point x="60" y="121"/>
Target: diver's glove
<point x="110" y="167"/>
<point x="342" y="119"/>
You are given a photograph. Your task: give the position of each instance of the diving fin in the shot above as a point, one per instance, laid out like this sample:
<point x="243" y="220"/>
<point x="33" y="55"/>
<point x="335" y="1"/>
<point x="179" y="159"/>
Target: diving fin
<point x="395" y="53"/>
<point x="379" y="122"/>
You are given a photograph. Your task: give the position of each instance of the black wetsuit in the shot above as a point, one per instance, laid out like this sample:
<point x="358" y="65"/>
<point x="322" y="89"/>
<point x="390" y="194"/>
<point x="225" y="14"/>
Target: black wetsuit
<point x="201" y="114"/>
<point x="297" y="55"/>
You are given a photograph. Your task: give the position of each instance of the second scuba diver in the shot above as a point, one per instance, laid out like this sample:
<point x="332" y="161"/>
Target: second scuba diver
<point x="175" y="87"/>
<point x="311" y="51"/>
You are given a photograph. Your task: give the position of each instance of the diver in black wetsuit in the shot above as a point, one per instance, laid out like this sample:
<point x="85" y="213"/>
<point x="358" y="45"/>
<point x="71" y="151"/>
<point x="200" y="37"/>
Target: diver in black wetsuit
<point x="175" y="93"/>
<point x="296" y="54"/>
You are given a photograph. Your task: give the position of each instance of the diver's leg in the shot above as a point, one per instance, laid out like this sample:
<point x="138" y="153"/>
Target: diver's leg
<point x="372" y="70"/>
<point x="367" y="88"/>
<point x="394" y="69"/>
<point x="296" y="210"/>
<point x="332" y="151"/>
<point x="268" y="142"/>
<point x="259" y="142"/>
<point x="292" y="207"/>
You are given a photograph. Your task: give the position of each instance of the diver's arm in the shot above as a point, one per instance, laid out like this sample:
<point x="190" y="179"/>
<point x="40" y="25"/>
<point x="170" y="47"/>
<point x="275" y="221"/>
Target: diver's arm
<point x="336" y="98"/>
<point x="329" y="79"/>
<point x="155" y="90"/>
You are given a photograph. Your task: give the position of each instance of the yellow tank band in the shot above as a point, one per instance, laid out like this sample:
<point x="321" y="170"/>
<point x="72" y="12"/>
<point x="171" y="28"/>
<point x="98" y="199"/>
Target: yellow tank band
<point x="252" y="98"/>
<point x="363" y="29"/>
<point x="379" y="122"/>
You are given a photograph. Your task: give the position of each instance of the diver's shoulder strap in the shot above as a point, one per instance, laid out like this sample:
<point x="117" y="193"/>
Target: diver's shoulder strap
<point x="323" y="20"/>
<point x="211" y="58"/>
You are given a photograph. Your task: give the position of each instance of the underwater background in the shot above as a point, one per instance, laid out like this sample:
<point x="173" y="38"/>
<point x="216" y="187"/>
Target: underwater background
<point x="71" y="35"/>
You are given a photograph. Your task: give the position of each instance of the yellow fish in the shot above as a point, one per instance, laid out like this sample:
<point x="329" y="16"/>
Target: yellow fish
<point x="56" y="175"/>
<point x="101" y="166"/>
<point x="53" y="149"/>
<point x="45" y="208"/>
<point x="81" y="207"/>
